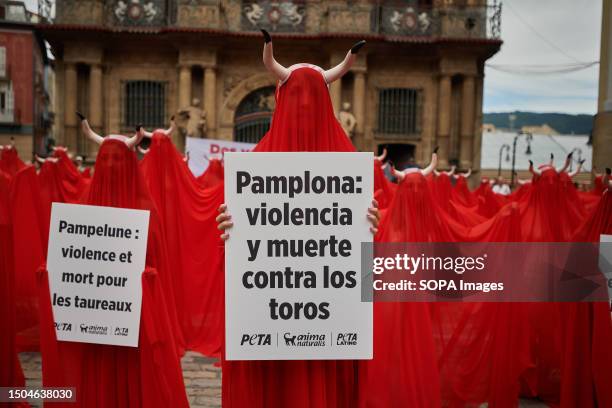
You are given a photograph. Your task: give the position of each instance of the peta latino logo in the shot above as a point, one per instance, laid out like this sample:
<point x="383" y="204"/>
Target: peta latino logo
<point x="346" y="339"/>
<point x="304" y="340"/>
<point x="256" y="340"/>
<point x="93" y="329"/>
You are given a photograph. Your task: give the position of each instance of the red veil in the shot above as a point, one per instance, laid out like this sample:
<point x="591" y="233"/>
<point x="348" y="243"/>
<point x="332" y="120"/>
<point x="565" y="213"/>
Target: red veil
<point x="404" y="370"/>
<point x="11" y="374"/>
<point x="188" y="213"/>
<point x="147" y="376"/>
<point x="303" y="121"/>
<point x="213" y="176"/>
<point x="10" y="163"/>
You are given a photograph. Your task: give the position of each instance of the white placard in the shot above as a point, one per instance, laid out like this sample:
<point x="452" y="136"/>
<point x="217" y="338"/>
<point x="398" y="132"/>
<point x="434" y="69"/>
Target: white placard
<point x="314" y="321"/>
<point x="201" y="150"/>
<point x="96" y="257"/>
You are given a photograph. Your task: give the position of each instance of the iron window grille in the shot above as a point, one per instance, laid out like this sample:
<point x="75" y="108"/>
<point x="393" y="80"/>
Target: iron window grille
<point x="143" y="103"/>
<point x="400" y="111"/>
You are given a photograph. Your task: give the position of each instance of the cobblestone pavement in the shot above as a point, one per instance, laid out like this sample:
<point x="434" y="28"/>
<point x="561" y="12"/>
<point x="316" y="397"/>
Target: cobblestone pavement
<point x="202" y="380"/>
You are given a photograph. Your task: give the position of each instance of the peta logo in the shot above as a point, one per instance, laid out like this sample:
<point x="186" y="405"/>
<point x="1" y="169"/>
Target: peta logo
<point x="346" y="339"/>
<point x="256" y="340"/>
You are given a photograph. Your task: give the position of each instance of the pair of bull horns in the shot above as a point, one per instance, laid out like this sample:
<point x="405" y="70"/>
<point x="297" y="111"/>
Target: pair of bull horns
<point x="425" y="172"/>
<point x="131" y="142"/>
<point x="281" y="73"/>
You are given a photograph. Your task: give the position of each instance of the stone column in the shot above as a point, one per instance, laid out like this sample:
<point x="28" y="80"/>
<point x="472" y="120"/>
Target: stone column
<point x="602" y="129"/>
<point x="359" y="97"/>
<point x="444" y="119"/>
<point x="95" y="105"/>
<point x="210" y="100"/>
<point x="467" y="122"/>
<point x="70" y="106"/>
<point x="184" y="88"/>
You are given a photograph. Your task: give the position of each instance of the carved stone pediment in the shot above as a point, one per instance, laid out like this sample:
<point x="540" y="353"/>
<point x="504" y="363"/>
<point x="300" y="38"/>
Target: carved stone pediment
<point x="80" y="12"/>
<point x="199" y="13"/>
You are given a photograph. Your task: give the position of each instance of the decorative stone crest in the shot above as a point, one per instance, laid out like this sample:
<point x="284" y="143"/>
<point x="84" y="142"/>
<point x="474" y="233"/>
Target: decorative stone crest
<point x="273" y="15"/>
<point x="139" y="12"/>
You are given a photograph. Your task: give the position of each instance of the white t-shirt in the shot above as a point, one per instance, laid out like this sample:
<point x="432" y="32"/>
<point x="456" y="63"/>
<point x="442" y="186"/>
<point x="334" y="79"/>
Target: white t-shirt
<point x="502" y="189"/>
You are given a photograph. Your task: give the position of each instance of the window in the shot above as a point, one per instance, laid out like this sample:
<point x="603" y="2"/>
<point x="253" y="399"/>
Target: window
<point x="399" y="111"/>
<point x="2" y="62"/>
<point x="144" y="103"/>
<point x="2" y="101"/>
<point x="252" y="117"/>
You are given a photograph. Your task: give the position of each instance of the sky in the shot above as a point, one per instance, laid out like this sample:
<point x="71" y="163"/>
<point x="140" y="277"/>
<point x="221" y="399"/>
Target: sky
<point x="571" y="32"/>
<point x="566" y="31"/>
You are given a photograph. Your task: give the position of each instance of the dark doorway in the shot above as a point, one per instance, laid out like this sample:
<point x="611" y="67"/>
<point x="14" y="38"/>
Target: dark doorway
<point x="401" y="155"/>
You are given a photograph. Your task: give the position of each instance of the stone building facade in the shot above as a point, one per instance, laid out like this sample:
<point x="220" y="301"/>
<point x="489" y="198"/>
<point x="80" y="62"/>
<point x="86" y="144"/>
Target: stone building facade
<point x="26" y="114"/>
<point x="417" y="84"/>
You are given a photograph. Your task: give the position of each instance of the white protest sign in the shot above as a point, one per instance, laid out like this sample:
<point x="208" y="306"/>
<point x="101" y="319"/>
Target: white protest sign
<point x="201" y="150"/>
<point x="96" y="257"/>
<point x="293" y="258"/>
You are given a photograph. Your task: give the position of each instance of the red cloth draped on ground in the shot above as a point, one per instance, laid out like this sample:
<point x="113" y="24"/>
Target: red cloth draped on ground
<point x="147" y="376"/>
<point x="213" y="176"/>
<point x="30" y="229"/>
<point x="384" y="190"/>
<point x="11" y="374"/>
<point x="588" y="332"/>
<point x="10" y="163"/>
<point x="303" y="121"/>
<point x="188" y="213"/>
<point x="404" y="370"/>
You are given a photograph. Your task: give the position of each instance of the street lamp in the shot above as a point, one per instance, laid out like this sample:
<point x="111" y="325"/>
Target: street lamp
<point x="579" y="151"/>
<point x="528" y="138"/>
<point x="503" y="147"/>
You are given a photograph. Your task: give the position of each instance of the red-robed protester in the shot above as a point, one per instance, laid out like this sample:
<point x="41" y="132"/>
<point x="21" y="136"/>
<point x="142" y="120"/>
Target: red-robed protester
<point x="404" y="370"/>
<point x="11" y="374"/>
<point x="30" y="225"/>
<point x="213" y="175"/>
<point x="10" y="163"/>
<point x="303" y="121"/>
<point x="188" y="213"/>
<point x="147" y="376"/>
<point x="587" y="357"/>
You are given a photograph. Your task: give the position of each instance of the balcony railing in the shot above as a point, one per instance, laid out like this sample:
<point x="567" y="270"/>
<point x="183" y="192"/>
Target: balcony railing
<point x="10" y="116"/>
<point x="407" y="18"/>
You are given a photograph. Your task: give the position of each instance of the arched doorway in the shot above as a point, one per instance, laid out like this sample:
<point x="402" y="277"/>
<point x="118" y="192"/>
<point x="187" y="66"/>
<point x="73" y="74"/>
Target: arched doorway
<point x="253" y="115"/>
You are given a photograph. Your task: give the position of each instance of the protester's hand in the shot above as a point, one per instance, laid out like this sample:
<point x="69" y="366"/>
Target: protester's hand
<point x="224" y="221"/>
<point x="374" y="217"/>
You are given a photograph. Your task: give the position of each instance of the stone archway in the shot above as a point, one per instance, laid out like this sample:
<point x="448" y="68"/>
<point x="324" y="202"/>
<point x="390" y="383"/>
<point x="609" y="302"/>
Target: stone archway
<point x="233" y="99"/>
